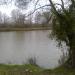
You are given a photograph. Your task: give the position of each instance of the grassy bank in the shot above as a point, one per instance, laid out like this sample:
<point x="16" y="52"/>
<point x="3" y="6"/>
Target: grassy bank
<point x="25" y="29"/>
<point x="20" y="70"/>
<point x="63" y="71"/>
<point x="33" y="70"/>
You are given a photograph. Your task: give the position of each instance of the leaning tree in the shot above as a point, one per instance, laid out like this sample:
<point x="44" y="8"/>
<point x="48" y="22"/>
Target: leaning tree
<point x="63" y="27"/>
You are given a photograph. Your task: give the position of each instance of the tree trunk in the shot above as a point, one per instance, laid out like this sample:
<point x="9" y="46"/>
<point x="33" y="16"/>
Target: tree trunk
<point x="73" y="54"/>
<point x="72" y="49"/>
<point x="73" y="57"/>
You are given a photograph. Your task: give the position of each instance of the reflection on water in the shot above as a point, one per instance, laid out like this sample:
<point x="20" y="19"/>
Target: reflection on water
<point x="17" y="47"/>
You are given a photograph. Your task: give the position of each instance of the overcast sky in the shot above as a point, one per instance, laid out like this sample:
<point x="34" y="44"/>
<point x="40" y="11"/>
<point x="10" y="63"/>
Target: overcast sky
<point x="8" y="8"/>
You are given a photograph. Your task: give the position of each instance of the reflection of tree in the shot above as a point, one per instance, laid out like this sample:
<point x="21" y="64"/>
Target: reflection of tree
<point x="18" y="39"/>
<point x="20" y="36"/>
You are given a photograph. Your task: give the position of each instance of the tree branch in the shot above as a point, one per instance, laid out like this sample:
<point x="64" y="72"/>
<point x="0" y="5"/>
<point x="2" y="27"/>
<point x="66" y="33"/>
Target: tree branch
<point x="49" y="19"/>
<point x="36" y="10"/>
<point x="36" y="3"/>
<point x="62" y="4"/>
<point x="53" y="7"/>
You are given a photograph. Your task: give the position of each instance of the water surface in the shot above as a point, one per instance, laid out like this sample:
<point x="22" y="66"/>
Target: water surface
<point x="17" y="47"/>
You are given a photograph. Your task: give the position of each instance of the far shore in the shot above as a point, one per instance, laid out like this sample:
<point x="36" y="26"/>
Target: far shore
<point x="25" y="29"/>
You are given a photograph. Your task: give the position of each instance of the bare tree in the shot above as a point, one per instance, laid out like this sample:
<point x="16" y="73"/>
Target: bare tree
<point x="22" y="3"/>
<point x="0" y="17"/>
<point x="18" y="18"/>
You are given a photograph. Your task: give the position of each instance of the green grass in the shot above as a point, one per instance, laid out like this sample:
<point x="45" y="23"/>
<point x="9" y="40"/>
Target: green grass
<point x="20" y="69"/>
<point x="34" y="70"/>
<point x="62" y="70"/>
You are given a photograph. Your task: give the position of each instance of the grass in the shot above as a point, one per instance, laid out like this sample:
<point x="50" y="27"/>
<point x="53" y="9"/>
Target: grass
<point x="23" y="67"/>
<point x="62" y="70"/>
<point x="29" y="69"/>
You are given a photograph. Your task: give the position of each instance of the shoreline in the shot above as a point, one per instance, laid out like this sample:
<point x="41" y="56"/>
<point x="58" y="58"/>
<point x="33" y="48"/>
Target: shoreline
<point x="25" y="29"/>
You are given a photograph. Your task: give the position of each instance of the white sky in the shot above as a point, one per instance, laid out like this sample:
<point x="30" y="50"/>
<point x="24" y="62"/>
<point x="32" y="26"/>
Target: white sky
<point x="8" y="8"/>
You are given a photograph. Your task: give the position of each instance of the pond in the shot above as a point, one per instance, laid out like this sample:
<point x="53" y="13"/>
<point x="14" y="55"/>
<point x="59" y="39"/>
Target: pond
<point x="18" y="47"/>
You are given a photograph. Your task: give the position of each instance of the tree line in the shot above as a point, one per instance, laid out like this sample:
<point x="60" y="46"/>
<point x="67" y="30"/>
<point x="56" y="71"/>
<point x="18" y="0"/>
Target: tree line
<point x="19" y="19"/>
